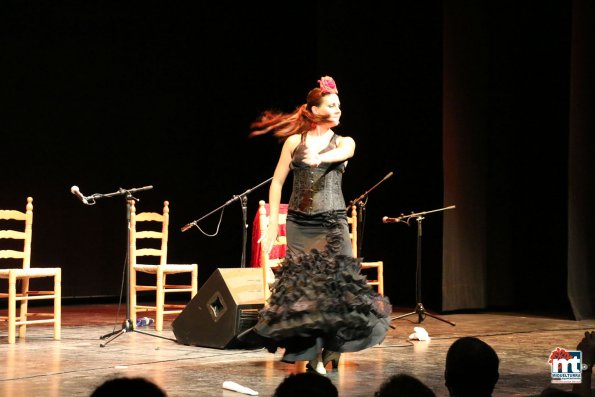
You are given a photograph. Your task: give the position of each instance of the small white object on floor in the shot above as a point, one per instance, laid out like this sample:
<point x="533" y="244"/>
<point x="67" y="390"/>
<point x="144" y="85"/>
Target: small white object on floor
<point x="320" y="368"/>
<point x="419" y="334"/>
<point x="229" y="385"/>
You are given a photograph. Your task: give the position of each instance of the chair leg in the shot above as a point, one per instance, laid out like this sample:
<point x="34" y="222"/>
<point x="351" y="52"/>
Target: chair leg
<point x="381" y="279"/>
<point x="12" y="306"/>
<point x="58" y="305"/>
<point x="160" y="300"/>
<point x="132" y="294"/>
<point x="194" y="282"/>
<point x="24" y="308"/>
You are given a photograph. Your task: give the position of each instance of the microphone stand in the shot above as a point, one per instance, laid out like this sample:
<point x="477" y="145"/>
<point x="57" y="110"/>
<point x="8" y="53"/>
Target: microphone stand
<point x="361" y="212"/>
<point x="244" y="203"/>
<point x="127" y="326"/>
<point x="419" y="308"/>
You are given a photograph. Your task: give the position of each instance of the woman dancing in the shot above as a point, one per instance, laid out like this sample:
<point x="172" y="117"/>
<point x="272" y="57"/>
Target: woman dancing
<point x="320" y="303"/>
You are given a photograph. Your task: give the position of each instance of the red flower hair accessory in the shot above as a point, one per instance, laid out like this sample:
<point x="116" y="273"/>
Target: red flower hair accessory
<point x="327" y="85"/>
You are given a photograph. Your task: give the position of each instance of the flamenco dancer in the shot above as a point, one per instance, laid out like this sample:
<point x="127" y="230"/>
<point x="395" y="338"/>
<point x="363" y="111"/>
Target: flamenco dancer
<point x="320" y="303"/>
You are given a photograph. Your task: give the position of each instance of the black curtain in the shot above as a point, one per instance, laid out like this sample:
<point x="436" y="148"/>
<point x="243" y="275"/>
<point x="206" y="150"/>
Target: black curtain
<point x="483" y="105"/>
<point x="581" y="190"/>
<point x="512" y="127"/>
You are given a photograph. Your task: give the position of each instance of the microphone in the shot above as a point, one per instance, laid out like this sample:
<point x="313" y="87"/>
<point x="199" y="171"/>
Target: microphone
<point x="75" y="190"/>
<point x="386" y="219"/>
<point x="188" y="227"/>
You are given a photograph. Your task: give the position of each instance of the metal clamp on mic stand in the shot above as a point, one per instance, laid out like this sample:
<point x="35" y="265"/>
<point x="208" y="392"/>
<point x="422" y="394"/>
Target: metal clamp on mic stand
<point x="419" y="308"/>
<point x="362" y="210"/>
<point x="244" y="202"/>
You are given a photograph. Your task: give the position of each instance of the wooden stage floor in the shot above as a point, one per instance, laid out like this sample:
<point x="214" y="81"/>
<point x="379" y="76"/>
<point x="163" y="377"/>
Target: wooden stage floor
<point x="75" y="365"/>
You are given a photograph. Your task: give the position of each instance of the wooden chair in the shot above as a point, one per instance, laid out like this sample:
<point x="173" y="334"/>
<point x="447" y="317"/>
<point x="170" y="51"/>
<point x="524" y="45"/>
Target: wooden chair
<point x="150" y="239"/>
<point x="24" y="274"/>
<point x="378" y="266"/>
<point x="272" y="260"/>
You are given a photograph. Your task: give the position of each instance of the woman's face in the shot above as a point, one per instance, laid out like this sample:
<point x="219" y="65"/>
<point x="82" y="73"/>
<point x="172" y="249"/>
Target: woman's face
<point x="330" y="109"/>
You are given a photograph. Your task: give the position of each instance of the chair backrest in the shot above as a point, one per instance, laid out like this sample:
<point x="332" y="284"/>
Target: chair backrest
<point x="26" y="235"/>
<point x="152" y="238"/>
<point x="260" y="225"/>
<point x="378" y="280"/>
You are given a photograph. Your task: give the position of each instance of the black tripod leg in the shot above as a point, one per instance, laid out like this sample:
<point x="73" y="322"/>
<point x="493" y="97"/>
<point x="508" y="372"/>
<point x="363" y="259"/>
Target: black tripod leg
<point x="157" y="336"/>
<point x="440" y="318"/>
<point x="110" y="334"/>
<point x="126" y="327"/>
<point x="403" y="315"/>
<point x="421" y="312"/>
<point x="111" y="338"/>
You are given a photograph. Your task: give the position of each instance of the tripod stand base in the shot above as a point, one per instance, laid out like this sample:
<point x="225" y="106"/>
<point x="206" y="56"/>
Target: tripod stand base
<point x="126" y="327"/>
<point x="421" y="315"/>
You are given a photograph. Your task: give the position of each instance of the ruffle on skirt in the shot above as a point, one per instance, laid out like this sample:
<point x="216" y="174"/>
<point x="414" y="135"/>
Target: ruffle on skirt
<point x="321" y="300"/>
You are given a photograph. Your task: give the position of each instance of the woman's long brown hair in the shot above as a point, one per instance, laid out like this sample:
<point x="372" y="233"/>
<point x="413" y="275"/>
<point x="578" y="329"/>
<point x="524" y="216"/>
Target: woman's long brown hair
<point x="283" y="125"/>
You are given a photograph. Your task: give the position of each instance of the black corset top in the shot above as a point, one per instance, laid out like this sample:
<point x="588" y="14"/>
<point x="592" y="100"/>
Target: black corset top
<point x="316" y="189"/>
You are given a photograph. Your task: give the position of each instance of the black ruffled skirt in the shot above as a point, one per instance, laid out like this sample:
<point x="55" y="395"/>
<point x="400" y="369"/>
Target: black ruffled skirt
<point x="321" y="300"/>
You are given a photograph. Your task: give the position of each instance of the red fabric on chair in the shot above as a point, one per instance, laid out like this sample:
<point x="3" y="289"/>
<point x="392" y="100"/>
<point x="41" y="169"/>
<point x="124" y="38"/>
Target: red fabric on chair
<point x="277" y="251"/>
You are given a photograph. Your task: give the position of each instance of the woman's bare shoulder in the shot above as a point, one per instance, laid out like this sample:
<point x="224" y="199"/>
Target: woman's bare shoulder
<point x="345" y="140"/>
<point x="292" y="141"/>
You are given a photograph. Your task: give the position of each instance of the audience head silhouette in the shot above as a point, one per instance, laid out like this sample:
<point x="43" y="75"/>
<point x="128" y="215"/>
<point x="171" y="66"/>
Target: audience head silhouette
<point x="128" y="387"/>
<point x="471" y="368"/>
<point x="404" y="385"/>
<point x="309" y="384"/>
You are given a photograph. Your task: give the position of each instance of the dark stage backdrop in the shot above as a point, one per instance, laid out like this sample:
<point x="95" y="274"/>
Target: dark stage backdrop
<point x="516" y="137"/>
<point x="105" y="96"/>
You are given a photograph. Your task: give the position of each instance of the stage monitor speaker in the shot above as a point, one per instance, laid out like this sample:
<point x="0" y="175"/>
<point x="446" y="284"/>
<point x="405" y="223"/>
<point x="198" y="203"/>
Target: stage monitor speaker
<point x="225" y="306"/>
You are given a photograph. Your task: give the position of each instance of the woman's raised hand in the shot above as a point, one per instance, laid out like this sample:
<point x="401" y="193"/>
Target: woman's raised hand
<point x="311" y="157"/>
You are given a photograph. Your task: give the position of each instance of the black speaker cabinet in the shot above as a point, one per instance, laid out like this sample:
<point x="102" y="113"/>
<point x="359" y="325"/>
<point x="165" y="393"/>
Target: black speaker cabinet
<point x="225" y="306"/>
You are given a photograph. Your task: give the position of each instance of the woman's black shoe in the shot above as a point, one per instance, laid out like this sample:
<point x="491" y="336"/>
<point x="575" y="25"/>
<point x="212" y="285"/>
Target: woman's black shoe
<point x="330" y="356"/>
<point x="316" y="366"/>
